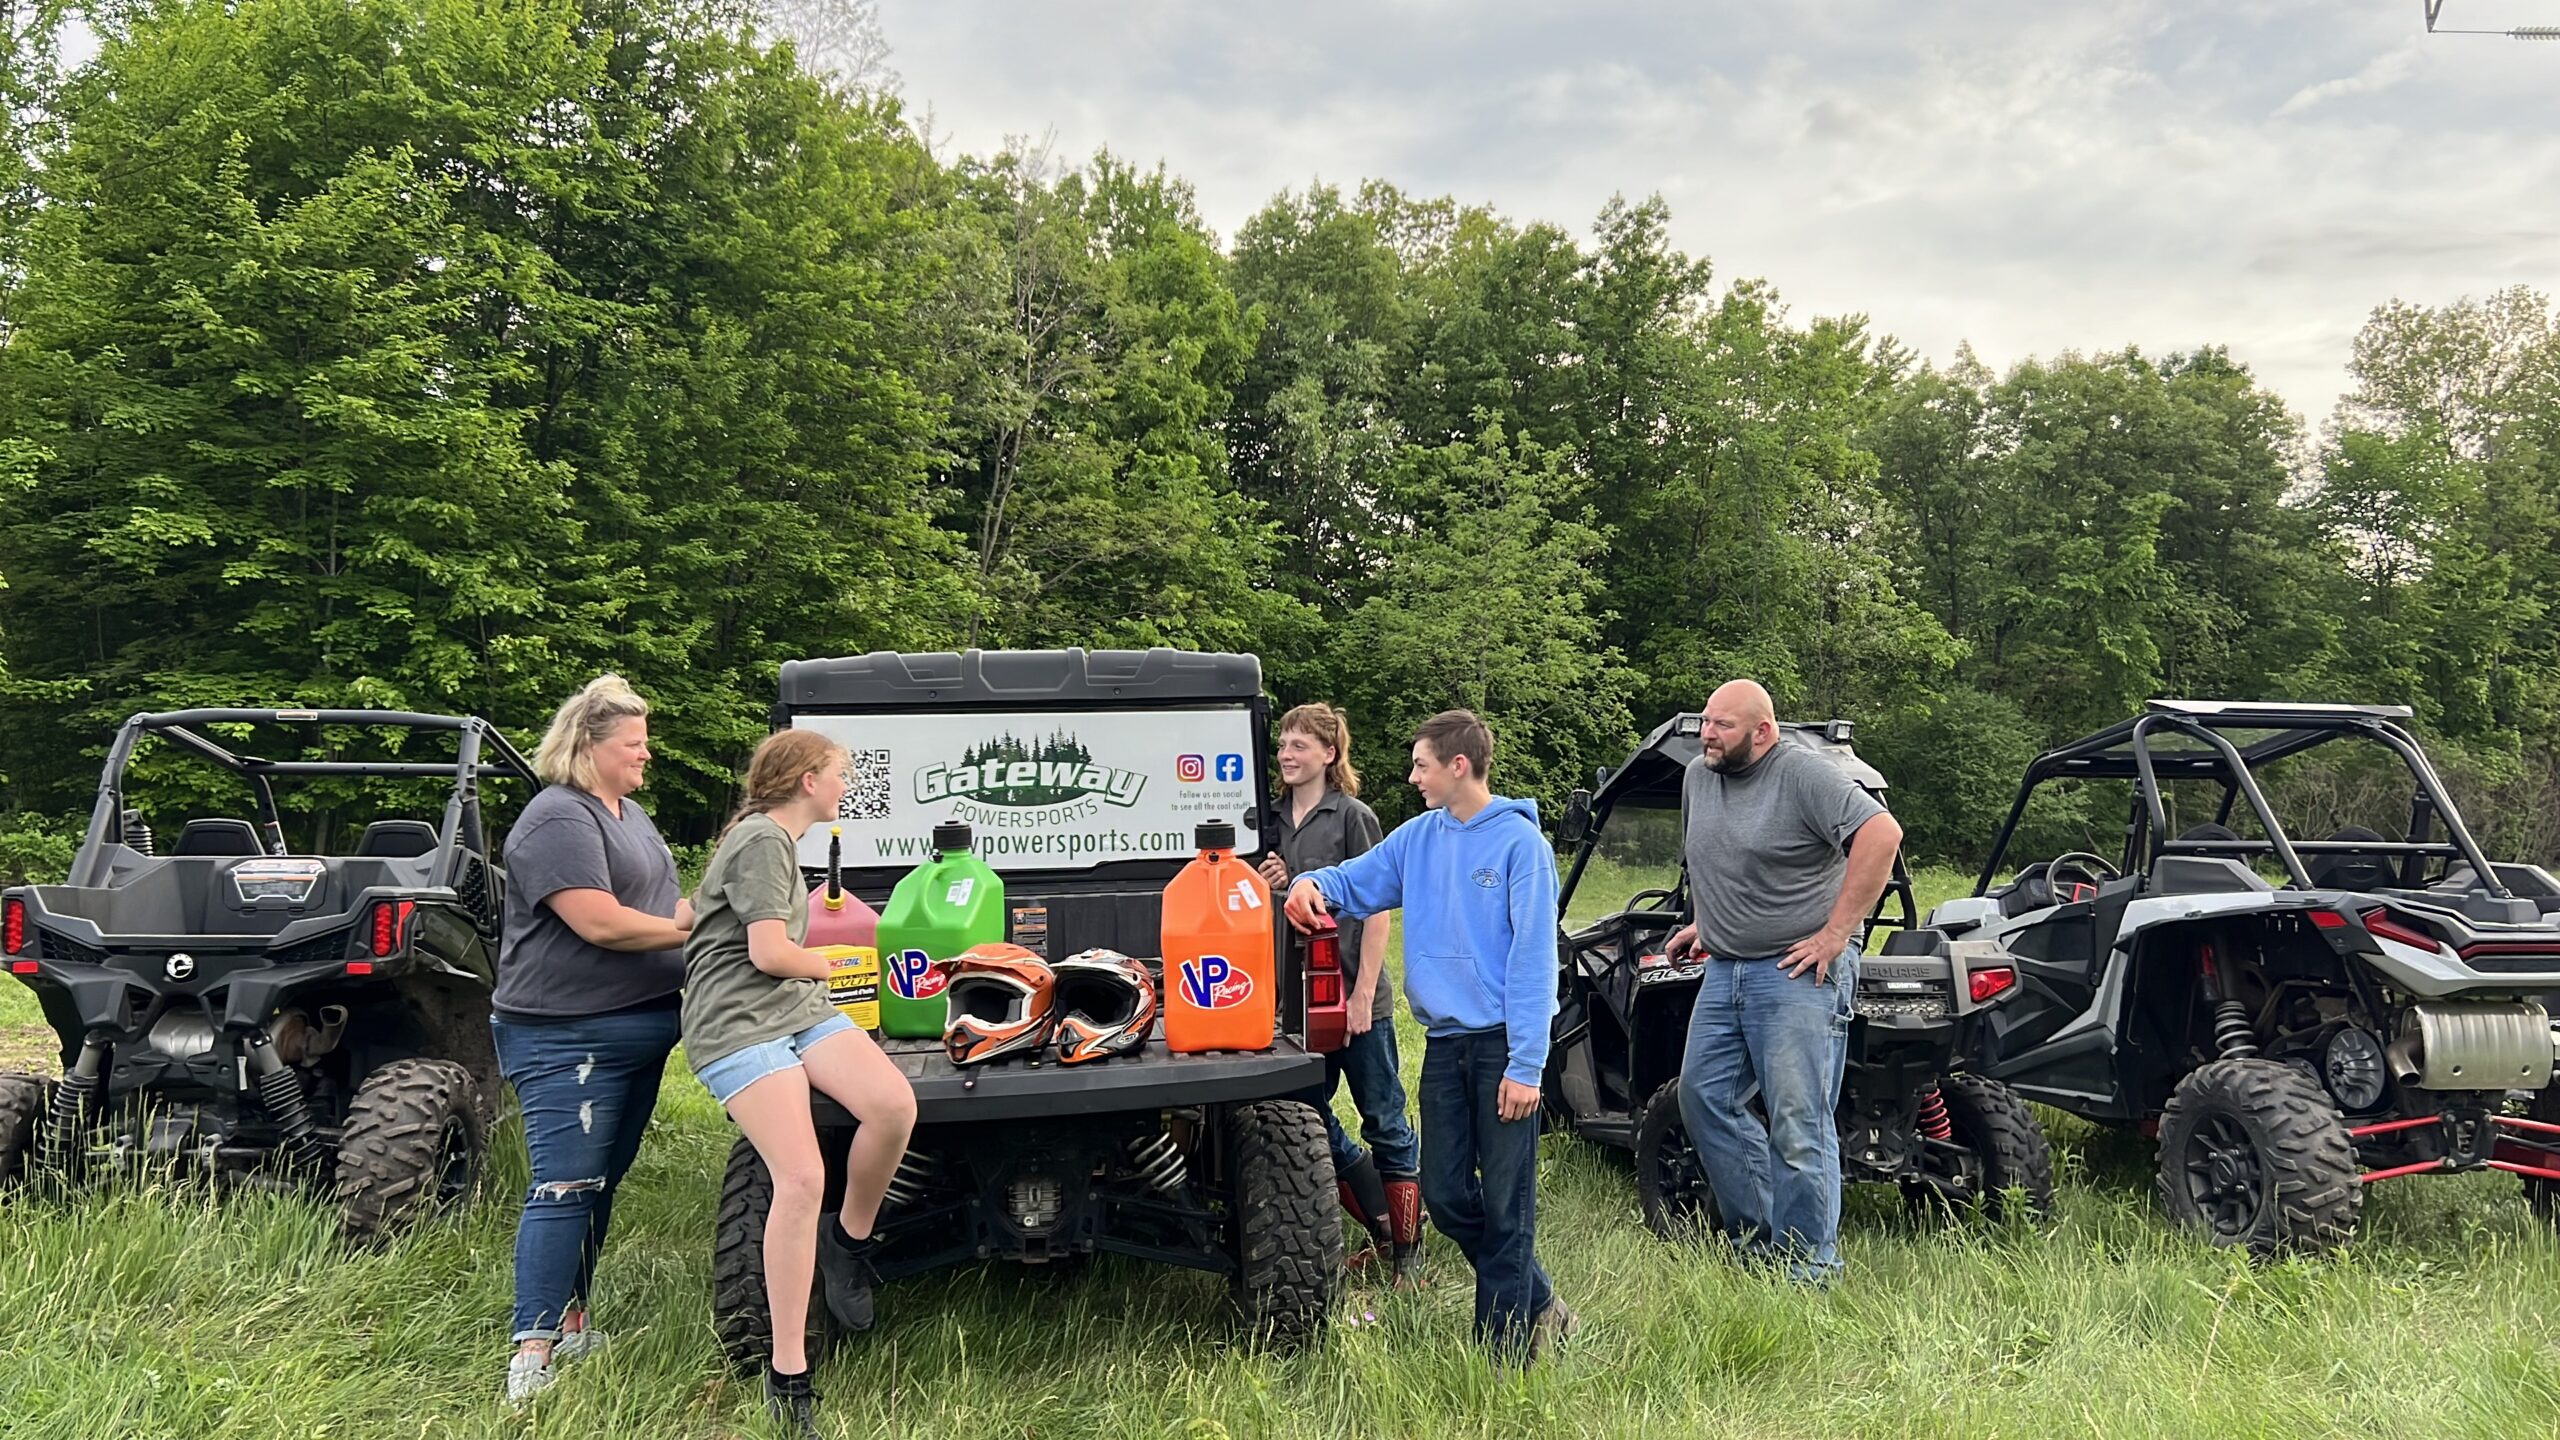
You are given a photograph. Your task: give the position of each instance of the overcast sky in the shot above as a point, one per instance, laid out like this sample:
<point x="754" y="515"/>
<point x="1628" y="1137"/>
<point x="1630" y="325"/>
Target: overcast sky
<point x="2024" y="175"/>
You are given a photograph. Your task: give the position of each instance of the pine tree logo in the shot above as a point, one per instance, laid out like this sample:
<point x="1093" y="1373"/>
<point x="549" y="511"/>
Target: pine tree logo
<point x="1013" y="770"/>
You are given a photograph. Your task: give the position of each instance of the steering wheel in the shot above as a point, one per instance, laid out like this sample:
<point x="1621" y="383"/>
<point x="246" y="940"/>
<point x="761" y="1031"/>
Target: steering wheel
<point x="2095" y="869"/>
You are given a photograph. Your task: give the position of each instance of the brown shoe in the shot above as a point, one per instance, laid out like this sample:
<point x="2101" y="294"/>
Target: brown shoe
<point x="1553" y="1327"/>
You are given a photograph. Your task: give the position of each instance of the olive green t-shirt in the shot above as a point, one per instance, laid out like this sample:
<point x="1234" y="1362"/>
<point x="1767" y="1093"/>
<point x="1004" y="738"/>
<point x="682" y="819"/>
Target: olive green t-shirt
<point x="729" y="1004"/>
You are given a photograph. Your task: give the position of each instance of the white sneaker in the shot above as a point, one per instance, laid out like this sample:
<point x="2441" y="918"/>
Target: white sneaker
<point x="577" y="1344"/>
<point x="528" y="1375"/>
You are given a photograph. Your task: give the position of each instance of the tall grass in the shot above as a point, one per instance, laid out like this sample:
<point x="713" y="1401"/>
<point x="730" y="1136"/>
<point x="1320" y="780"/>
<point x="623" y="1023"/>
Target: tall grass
<point x="167" y="1311"/>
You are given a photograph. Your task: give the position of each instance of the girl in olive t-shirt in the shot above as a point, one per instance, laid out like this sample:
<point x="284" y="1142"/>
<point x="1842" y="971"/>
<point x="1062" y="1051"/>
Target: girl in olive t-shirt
<point x="759" y="1032"/>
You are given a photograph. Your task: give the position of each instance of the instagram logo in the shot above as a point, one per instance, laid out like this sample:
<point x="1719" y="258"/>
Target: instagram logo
<point x="1190" y="769"/>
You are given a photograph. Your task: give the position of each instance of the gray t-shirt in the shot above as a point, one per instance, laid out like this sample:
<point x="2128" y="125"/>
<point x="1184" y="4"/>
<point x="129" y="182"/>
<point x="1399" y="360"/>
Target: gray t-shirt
<point x="1339" y="828"/>
<point x="567" y="840"/>
<point x="1767" y="848"/>
<point x="729" y="1004"/>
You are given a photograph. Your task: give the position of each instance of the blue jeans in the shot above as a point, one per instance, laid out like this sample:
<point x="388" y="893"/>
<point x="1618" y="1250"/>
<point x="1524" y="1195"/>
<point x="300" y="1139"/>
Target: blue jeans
<point x="1480" y="1178"/>
<point x="1777" y="1185"/>
<point x="586" y="1088"/>
<point x="1376" y="1074"/>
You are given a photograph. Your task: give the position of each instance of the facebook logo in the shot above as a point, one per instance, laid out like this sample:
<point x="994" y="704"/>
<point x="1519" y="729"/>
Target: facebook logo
<point x="1231" y="767"/>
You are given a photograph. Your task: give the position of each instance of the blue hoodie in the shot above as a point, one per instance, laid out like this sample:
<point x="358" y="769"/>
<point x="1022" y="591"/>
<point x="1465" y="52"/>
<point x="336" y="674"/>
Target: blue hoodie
<point x="1479" y="903"/>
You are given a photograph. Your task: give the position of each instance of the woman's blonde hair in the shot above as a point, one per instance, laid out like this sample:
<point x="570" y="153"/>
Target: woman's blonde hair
<point x="780" y="763"/>
<point x="1327" y="726"/>
<point x="584" y="721"/>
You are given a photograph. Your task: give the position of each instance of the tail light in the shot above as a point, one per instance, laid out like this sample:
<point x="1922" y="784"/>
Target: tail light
<point x="1327" y="1028"/>
<point x="13" y="925"/>
<point x="1990" y="981"/>
<point x="2379" y="924"/>
<point x="391" y="927"/>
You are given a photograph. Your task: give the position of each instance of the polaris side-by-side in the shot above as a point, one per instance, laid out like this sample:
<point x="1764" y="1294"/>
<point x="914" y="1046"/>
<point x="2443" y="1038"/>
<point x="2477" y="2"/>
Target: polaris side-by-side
<point x="1909" y="1113"/>
<point x="234" y="1006"/>
<point x="2294" y="1018"/>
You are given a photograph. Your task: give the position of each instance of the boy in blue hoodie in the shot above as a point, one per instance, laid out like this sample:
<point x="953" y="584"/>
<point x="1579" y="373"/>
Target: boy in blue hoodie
<point x="1477" y="885"/>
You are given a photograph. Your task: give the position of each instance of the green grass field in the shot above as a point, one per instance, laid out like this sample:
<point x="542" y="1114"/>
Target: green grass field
<point x="158" y="1312"/>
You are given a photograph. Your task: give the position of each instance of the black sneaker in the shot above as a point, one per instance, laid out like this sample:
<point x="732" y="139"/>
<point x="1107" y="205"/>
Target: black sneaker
<point x="844" y="1264"/>
<point x="793" y="1403"/>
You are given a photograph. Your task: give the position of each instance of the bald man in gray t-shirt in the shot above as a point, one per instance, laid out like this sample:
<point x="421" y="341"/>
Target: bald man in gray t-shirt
<point x="1785" y="855"/>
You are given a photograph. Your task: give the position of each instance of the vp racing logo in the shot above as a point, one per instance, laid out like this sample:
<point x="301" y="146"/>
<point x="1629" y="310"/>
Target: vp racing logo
<point x="914" y="976"/>
<point x="1212" y="982"/>
<point x="1010" y="770"/>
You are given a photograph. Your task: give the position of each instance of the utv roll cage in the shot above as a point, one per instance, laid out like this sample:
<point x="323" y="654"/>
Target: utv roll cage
<point x="183" y="728"/>
<point x="2129" y="751"/>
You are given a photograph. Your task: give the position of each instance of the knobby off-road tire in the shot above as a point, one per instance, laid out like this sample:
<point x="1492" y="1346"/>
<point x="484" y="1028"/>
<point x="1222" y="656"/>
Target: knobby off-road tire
<point x="2254" y="1153"/>
<point x="1996" y="1126"/>
<point x="412" y="1146"/>
<point x="739" y="1314"/>
<point x="1671" y="1181"/>
<point x="2544" y="1195"/>
<point x="23" y="1102"/>
<point x="1285" y="1225"/>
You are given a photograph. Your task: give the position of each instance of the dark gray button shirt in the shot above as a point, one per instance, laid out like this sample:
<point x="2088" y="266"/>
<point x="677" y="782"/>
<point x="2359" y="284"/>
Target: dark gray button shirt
<point x="567" y="840"/>
<point x="1338" y="828"/>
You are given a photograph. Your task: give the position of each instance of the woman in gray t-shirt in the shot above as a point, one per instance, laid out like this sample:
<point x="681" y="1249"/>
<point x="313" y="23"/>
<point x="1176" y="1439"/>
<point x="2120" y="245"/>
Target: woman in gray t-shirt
<point x="586" y="1007"/>
<point x="759" y="1032"/>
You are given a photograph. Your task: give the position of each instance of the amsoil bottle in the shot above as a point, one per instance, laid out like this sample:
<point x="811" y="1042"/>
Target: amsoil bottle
<point x="1221" y="978"/>
<point x="943" y="907"/>
<point x="847" y="932"/>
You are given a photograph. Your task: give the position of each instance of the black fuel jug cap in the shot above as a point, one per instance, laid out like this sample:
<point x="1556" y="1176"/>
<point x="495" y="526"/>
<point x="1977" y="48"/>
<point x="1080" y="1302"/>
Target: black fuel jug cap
<point x="1215" y="835"/>
<point x="951" y="835"/>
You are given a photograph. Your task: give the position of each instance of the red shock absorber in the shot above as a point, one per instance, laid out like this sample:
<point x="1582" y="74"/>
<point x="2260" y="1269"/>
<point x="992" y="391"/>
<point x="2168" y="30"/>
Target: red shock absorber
<point x="1933" y="1116"/>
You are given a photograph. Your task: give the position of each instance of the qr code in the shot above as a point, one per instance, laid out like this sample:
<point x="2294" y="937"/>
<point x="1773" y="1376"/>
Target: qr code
<point x="866" y="791"/>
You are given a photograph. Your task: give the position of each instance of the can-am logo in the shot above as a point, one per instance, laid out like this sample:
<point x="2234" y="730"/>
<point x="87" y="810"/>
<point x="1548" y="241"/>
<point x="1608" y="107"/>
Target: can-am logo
<point x="1213" y="983"/>
<point x="1008" y="770"/>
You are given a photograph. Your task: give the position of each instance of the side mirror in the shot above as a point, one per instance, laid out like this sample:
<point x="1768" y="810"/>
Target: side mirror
<point x="1577" y="818"/>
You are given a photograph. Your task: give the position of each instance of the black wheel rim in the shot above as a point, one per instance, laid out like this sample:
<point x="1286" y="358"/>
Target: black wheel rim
<point x="2225" y="1178"/>
<point x="1681" y="1180"/>
<point x="453" y="1161"/>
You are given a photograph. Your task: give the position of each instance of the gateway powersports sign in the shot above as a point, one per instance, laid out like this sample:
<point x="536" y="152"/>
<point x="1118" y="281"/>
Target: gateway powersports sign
<point x="1044" y="791"/>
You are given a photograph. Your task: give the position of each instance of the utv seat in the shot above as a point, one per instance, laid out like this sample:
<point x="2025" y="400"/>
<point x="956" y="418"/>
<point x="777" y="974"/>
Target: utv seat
<point x="218" y="837"/>
<point x="397" y="839"/>
<point x="2349" y="869"/>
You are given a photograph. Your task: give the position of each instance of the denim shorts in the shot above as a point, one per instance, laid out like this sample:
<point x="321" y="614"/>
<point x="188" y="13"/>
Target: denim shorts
<point x="739" y="1069"/>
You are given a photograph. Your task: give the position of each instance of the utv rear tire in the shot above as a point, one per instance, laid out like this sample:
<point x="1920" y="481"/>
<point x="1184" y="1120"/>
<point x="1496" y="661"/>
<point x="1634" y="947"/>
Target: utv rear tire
<point x="1671" y="1182"/>
<point x="2544" y="1195"/>
<point x="412" y="1146"/>
<point x="1285" y="1224"/>
<point x="23" y="1102"/>
<point x="1996" y="1126"/>
<point x="739" y="1314"/>
<point x="2253" y="1153"/>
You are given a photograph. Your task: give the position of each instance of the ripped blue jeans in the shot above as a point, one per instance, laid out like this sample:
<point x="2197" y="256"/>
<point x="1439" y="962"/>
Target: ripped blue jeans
<point x="586" y="1087"/>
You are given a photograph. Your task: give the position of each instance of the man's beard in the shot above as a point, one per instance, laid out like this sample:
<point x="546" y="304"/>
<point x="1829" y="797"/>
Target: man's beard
<point x="1733" y="761"/>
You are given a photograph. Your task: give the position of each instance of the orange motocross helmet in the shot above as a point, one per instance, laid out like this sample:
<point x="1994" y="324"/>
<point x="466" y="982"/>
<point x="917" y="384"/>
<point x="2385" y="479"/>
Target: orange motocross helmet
<point x="1002" y="1003"/>
<point x="1106" y="1006"/>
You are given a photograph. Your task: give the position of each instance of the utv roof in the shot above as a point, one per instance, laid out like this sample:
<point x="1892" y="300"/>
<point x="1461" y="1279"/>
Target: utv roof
<point x="1652" y="776"/>
<point x="2178" y="751"/>
<point x="892" y="680"/>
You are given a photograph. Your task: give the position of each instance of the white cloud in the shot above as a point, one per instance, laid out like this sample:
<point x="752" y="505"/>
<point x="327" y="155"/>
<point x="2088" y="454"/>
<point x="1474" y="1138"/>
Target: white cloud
<point x="2026" y="176"/>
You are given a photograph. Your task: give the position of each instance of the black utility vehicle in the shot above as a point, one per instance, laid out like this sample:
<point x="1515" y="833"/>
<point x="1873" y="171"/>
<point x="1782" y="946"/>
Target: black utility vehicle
<point x="230" y="1005"/>
<point x="1083" y="776"/>
<point x="1909" y="1115"/>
